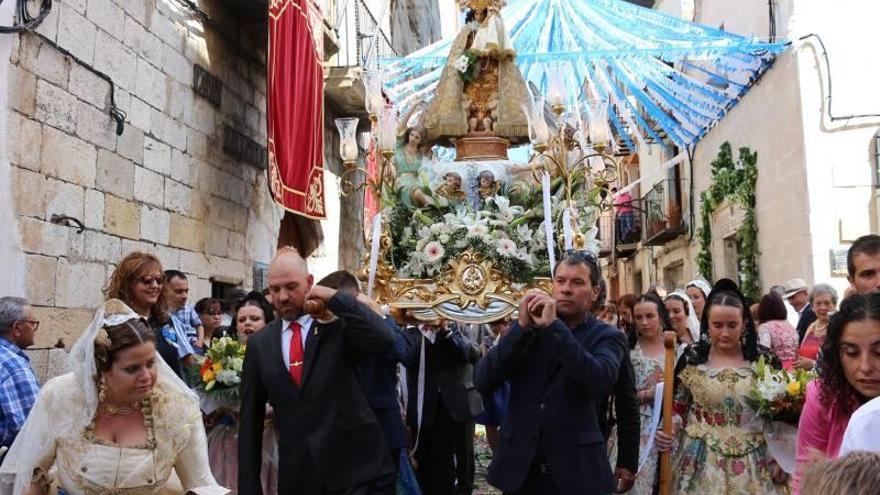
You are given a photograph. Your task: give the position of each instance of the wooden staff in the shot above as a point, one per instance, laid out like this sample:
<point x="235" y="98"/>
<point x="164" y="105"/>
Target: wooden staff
<point x="668" y="385"/>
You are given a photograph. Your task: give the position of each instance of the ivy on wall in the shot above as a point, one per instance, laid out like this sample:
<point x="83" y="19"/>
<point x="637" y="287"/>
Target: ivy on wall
<point x="737" y="184"/>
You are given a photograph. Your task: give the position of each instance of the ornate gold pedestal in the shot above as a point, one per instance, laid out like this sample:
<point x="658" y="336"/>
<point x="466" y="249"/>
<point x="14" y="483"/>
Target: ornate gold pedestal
<point x="481" y="146"/>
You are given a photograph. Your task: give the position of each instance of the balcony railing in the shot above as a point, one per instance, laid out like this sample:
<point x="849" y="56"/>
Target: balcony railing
<point x="362" y="41"/>
<point x="662" y="213"/>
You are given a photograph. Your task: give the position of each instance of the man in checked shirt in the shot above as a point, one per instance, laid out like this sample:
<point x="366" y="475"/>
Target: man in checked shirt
<point x="18" y="384"/>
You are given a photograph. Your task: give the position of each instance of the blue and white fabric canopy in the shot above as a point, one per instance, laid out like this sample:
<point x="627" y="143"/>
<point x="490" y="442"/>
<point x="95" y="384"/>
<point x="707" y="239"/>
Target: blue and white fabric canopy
<point x="663" y="76"/>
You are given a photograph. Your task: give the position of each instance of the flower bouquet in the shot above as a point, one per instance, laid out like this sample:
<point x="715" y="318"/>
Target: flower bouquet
<point x="216" y="375"/>
<point x="466" y="65"/>
<point x="778" y="394"/>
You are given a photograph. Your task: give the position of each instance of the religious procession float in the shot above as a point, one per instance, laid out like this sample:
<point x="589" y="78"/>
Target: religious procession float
<point x="480" y="177"/>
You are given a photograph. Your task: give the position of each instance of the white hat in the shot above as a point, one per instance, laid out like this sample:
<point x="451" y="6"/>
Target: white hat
<point x="794" y="286"/>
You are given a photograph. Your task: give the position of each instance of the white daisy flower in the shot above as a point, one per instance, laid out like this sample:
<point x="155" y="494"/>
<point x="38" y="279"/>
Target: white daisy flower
<point x="506" y="247"/>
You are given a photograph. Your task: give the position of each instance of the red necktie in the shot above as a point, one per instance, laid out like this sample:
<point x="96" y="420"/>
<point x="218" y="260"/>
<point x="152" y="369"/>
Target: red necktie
<point x="297" y="356"/>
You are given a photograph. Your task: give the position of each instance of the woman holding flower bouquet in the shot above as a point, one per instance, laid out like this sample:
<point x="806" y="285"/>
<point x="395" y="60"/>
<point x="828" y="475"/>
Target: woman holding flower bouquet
<point x="719" y="446"/>
<point x="850" y="376"/>
<point x="651" y="319"/>
<point x="250" y="315"/>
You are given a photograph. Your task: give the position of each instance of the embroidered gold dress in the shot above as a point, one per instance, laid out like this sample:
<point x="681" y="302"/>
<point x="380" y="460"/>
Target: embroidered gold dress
<point x="87" y="466"/>
<point x="499" y="88"/>
<point x="721" y="443"/>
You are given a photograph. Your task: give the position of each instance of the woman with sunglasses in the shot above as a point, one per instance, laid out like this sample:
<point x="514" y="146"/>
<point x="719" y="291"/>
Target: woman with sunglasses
<point x="210" y="311"/>
<point x="137" y="282"/>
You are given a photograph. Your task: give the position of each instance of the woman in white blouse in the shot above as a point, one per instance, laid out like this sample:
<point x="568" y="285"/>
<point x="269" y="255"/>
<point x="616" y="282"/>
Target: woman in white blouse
<point x="121" y="422"/>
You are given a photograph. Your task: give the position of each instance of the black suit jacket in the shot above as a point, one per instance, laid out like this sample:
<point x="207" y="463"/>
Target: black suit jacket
<point x="808" y="316"/>
<point x="378" y="377"/>
<point x="557" y="376"/>
<point x="328" y="421"/>
<point x="449" y="373"/>
<point x="622" y="410"/>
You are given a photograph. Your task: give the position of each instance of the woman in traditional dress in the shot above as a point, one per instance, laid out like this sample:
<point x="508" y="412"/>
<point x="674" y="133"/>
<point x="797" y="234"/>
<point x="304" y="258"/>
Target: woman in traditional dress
<point x="495" y="93"/>
<point x="850" y="365"/>
<point x="721" y="446"/>
<point x="683" y="317"/>
<point x="651" y="320"/>
<point x="698" y="290"/>
<point x="823" y="299"/>
<point x="250" y="315"/>
<point x="119" y="423"/>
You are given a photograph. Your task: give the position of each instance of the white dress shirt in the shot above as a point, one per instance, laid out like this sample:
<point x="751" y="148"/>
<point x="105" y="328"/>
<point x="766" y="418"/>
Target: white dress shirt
<point x="305" y="322"/>
<point x="863" y="429"/>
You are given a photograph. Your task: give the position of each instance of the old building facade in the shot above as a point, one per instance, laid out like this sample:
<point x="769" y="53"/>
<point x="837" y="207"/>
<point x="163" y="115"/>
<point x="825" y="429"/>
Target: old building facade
<point x="179" y="172"/>
<point x="817" y="165"/>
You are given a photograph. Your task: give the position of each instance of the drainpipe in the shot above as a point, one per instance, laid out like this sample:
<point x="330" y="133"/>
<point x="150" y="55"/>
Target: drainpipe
<point x="12" y="283"/>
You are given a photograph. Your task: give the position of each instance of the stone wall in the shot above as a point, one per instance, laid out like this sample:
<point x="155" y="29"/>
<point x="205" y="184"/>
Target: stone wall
<point x="414" y="24"/>
<point x="164" y="185"/>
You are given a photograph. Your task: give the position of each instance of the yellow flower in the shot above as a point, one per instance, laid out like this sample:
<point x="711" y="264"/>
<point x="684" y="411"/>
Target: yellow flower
<point x="793" y="388"/>
<point x="217" y="367"/>
<point x="207" y="376"/>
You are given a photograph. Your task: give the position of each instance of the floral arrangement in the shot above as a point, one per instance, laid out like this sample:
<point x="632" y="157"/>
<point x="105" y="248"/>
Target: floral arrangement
<point x="777" y="394"/>
<point x="503" y="233"/>
<point x="487" y="231"/>
<point x="218" y="372"/>
<point x="467" y="66"/>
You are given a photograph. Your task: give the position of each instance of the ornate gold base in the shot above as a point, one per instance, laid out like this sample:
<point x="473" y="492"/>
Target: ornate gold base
<point x="481" y="146"/>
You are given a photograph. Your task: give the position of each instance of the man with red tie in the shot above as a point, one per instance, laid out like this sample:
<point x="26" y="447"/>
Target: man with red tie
<point x="329" y="440"/>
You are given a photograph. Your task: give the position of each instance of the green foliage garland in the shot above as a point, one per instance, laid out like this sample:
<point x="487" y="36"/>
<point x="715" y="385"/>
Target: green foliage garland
<point x="739" y="187"/>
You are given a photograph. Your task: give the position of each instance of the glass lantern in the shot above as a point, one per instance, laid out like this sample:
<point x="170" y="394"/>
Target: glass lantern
<point x="597" y="121"/>
<point x="388" y="129"/>
<point x="348" y="149"/>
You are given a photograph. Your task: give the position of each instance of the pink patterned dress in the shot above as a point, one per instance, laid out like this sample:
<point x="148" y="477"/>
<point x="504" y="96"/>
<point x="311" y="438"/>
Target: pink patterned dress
<point x="782" y="340"/>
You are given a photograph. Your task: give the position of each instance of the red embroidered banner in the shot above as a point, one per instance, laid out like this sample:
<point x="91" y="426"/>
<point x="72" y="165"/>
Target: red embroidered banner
<point x="295" y="93"/>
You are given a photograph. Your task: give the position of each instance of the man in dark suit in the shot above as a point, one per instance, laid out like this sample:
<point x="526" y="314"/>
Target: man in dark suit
<point x="621" y="409"/>
<point x="329" y="440"/>
<point x="444" y="418"/>
<point x="378" y="378"/>
<point x="560" y="362"/>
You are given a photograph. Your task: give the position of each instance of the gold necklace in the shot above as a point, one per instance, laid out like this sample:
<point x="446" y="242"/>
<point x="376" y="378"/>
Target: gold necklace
<point x="114" y="410"/>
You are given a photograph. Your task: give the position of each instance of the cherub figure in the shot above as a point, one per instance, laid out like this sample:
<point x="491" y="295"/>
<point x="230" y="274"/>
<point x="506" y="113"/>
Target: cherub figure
<point x="482" y="117"/>
<point x="451" y="187"/>
<point x="487" y="186"/>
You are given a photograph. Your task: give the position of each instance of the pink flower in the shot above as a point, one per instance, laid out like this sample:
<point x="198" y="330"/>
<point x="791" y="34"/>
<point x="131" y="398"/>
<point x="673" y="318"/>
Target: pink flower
<point x="434" y="252"/>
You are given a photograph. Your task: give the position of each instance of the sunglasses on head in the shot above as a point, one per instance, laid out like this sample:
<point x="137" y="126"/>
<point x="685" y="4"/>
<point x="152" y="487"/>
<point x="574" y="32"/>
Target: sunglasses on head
<point x="581" y="254"/>
<point x="160" y="279"/>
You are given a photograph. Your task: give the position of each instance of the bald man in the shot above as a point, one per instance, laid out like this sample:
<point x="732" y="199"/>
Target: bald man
<point x="329" y="440"/>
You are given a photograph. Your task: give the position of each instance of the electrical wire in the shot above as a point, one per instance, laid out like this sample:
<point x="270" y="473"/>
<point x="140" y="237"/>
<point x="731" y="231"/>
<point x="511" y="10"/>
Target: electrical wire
<point x="25" y="21"/>
<point x="115" y="113"/>
<point x="828" y="79"/>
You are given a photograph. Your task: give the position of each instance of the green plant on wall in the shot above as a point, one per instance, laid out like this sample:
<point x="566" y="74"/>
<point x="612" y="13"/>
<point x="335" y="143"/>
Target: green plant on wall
<point x="738" y="186"/>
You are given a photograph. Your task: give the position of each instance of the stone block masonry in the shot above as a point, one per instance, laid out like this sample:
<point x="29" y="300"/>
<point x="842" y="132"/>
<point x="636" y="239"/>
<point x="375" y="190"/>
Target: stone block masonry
<point x="165" y="185"/>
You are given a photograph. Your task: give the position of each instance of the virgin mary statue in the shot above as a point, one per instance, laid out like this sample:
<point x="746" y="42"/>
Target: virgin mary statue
<point x="481" y="90"/>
